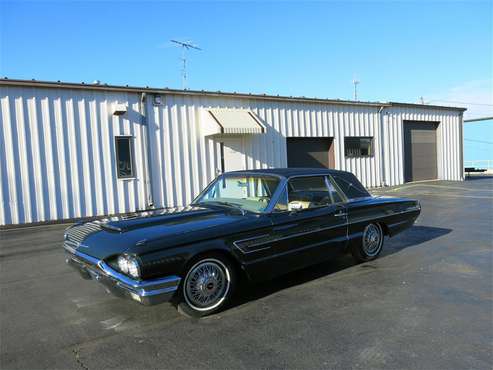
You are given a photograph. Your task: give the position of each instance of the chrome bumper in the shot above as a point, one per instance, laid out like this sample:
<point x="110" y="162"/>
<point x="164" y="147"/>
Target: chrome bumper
<point x="146" y="292"/>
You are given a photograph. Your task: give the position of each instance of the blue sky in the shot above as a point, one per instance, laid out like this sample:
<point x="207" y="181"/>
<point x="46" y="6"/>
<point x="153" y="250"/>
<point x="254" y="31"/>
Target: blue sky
<point x="399" y="51"/>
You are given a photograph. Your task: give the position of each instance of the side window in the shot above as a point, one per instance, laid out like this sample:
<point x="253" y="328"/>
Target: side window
<point x="336" y="197"/>
<point x="350" y="185"/>
<point x="308" y="192"/>
<point x="124" y="157"/>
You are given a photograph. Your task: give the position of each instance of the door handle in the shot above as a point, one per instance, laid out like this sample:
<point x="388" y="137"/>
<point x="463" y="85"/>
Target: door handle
<point x="340" y="213"/>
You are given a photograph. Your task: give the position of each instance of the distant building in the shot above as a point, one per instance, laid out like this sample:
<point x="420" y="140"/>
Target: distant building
<point x="70" y="151"/>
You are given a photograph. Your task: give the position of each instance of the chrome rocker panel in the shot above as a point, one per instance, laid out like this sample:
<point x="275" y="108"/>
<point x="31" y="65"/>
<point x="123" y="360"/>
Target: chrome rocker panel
<point x="147" y="292"/>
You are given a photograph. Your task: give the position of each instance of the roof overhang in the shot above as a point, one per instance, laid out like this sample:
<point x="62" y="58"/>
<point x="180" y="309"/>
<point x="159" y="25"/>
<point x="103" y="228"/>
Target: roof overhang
<point x="164" y="91"/>
<point x="230" y="122"/>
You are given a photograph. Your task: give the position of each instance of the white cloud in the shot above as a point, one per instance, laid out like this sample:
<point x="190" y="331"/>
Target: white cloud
<point x="476" y="96"/>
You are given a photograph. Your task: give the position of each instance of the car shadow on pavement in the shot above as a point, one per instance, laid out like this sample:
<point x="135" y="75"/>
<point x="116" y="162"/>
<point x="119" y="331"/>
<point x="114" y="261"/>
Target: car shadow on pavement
<point x="412" y="237"/>
<point x="416" y="235"/>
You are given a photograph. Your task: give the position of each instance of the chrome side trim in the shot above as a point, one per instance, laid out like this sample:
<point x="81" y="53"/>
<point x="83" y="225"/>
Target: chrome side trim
<point x="308" y="232"/>
<point x="290" y="251"/>
<point x="285" y="237"/>
<point x="366" y="219"/>
<point x="347" y="223"/>
<point x="235" y="243"/>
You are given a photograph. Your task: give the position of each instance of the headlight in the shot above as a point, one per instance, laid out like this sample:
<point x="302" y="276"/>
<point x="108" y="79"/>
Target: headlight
<point x="129" y="265"/>
<point x="133" y="268"/>
<point x="123" y="264"/>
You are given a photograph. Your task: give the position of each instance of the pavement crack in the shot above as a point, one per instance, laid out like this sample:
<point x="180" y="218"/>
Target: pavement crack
<point x="76" y="353"/>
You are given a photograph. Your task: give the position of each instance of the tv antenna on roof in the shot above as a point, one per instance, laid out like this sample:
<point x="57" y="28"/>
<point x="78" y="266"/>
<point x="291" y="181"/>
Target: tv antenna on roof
<point x="185" y="46"/>
<point x="355" y="83"/>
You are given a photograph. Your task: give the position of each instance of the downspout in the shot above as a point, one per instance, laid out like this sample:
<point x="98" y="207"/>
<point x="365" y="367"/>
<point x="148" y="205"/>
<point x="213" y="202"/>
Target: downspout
<point x="383" y="181"/>
<point x="146" y="151"/>
<point x="461" y="145"/>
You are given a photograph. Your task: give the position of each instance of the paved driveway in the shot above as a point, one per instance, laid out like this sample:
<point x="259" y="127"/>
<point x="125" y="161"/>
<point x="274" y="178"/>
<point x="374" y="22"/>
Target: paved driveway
<point x="427" y="303"/>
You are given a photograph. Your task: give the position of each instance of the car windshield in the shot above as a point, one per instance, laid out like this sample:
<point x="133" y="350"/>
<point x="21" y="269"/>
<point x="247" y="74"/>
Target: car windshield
<point x="248" y="192"/>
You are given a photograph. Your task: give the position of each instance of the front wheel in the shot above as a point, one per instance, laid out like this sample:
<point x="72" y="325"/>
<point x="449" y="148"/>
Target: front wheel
<point x="207" y="286"/>
<point x="371" y="244"/>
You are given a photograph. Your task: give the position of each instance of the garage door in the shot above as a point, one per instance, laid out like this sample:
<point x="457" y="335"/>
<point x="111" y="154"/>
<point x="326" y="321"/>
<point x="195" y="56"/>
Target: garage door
<point x="420" y="151"/>
<point x="310" y="152"/>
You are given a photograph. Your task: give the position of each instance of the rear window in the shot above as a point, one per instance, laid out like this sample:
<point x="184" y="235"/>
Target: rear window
<point x="350" y="185"/>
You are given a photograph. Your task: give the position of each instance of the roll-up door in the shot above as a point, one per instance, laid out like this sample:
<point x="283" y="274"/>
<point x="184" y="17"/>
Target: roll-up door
<point x="420" y="151"/>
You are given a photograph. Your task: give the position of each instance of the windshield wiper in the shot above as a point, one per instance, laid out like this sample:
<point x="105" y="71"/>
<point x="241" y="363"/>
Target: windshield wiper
<point x="227" y="204"/>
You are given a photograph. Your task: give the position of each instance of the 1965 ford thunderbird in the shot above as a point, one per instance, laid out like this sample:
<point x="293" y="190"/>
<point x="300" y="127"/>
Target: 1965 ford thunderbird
<point x="260" y="223"/>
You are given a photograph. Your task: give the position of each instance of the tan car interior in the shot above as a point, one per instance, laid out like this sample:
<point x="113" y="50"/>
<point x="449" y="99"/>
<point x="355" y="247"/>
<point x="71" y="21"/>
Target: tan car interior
<point x="298" y="204"/>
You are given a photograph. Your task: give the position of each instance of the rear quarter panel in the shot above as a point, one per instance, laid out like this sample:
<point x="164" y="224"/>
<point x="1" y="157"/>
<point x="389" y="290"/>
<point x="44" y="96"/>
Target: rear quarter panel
<point x="393" y="214"/>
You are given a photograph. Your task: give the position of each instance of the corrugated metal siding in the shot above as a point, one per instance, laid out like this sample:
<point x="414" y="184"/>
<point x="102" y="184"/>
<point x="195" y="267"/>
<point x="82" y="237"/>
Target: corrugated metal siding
<point x="197" y="160"/>
<point x="183" y="161"/>
<point x="448" y="142"/>
<point x="58" y="157"/>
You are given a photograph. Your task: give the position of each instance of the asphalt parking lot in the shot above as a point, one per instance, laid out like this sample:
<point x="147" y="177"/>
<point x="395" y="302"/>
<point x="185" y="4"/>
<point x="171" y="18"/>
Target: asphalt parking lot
<point x="426" y="303"/>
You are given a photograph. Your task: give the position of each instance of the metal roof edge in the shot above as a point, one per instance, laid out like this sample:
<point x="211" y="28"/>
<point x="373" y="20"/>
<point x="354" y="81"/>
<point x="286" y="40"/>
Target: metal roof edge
<point x="418" y="105"/>
<point x="164" y="91"/>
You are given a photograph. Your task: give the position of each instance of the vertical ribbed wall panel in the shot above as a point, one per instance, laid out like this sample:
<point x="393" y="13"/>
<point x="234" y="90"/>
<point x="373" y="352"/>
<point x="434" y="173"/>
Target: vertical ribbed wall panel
<point x="183" y="161"/>
<point x="448" y="141"/>
<point x="57" y="147"/>
<point x="57" y="153"/>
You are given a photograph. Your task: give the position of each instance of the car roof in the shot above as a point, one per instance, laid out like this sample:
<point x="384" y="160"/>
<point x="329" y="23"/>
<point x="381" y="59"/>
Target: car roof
<point x="288" y="172"/>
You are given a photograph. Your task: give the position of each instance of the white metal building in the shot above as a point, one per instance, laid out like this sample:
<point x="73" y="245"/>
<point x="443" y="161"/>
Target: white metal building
<point x="74" y="150"/>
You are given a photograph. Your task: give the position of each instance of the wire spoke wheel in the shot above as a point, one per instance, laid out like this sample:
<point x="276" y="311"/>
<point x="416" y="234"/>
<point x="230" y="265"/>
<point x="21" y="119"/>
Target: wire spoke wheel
<point x="372" y="240"/>
<point x="206" y="284"/>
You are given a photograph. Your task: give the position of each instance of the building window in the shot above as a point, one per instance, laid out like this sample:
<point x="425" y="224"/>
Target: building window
<point x="358" y="146"/>
<point x="124" y="157"/>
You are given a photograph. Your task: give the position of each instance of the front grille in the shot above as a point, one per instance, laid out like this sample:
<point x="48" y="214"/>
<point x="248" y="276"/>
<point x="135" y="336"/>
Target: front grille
<point x="77" y="234"/>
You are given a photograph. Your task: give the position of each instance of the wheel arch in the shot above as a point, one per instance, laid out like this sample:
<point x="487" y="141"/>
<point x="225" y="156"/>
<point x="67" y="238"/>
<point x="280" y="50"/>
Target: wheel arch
<point x="217" y="251"/>
<point x="385" y="228"/>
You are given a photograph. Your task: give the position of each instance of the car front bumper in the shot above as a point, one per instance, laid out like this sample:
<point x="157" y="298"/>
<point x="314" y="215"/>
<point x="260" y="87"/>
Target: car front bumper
<point x="146" y="292"/>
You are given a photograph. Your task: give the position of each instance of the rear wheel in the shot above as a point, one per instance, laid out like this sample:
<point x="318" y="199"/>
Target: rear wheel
<point x="207" y="286"/>
<point x="371" y="244"/>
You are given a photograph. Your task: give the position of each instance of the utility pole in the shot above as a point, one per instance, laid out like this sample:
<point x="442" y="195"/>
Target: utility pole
<point x="185" y="46"/>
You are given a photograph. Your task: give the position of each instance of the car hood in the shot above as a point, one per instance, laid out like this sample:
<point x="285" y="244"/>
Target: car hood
<point x="147" y="231"/>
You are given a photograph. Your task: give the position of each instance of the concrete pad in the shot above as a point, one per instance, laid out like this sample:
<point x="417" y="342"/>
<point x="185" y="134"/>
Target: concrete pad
<point x="426" y="303"/>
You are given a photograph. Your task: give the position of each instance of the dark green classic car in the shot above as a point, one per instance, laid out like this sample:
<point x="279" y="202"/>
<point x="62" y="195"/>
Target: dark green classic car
<point x="259" y="223"/>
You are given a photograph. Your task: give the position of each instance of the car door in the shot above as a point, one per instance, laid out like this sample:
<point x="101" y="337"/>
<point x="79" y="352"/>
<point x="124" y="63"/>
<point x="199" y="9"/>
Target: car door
<point x="314" y="226"/>
<point x="309" y="225"/>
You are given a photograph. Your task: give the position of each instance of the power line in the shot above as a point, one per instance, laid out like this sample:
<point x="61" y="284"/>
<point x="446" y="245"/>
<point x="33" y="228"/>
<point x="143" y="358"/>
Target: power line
<point x="478" y="119"/>
<point x="460" y="102"/>
<point x="480" y="141"/>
